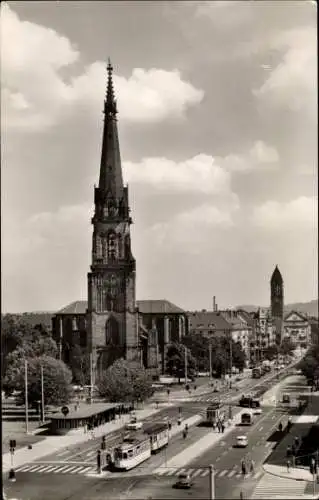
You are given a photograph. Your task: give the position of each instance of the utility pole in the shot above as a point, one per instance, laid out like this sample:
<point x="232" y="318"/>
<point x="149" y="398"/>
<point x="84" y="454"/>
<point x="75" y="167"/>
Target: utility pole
<point x="211" y="483"/>
<point x="26" y="396"/>
<point x="91" y="377"/>
<point x="42" y="395"/>
<point x="185" y="364"/>
<point x="210" y="362"/>
<point x="231" y="359"/>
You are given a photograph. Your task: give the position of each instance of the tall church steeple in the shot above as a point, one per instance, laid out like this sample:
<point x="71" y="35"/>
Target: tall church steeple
<point x="111" y="282"/>
<point x="111" y="180"/>
<point x="277" y="294"/>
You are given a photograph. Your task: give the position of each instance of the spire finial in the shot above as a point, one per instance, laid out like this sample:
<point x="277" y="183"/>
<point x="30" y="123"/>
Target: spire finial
<point x="110" y="103"/>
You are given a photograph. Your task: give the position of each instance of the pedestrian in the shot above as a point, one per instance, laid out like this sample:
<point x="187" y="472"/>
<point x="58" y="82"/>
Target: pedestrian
<point x="229" y="422"/>
<point x="243" y="468"/>
<point x="297" y="442"/>
<point x="218" y="425"/>
<point x="223" y="427"/>
<point x="288" y="465"/>
<point x="288" y="452"/>
<point x="252" y="466"/>
<point x="280" y="427"/>
<point x="293" y="450"/>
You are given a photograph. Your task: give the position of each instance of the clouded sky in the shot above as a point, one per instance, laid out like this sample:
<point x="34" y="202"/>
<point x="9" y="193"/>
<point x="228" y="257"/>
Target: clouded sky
<point x="218" y="133"/>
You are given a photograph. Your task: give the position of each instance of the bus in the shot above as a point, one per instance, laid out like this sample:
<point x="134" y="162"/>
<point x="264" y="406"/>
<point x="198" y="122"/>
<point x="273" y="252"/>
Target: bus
<point x="133" y="450"/>
<point x="214" y="414"/>
<point x="247" y="418"/>
<point x="256" y="372"/>
<point x="158" y="435"/>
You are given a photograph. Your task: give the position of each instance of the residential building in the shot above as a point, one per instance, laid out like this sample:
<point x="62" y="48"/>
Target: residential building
<point x="297" y="328"/>
<point x="242" y="330"/>
<point x="208" y="323"/>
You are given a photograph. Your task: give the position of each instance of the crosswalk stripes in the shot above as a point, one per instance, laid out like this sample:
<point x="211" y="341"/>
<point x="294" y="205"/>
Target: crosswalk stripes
<point x="57" y="468"/>
<point x="271" y="486"/>
<point x="202" y="472"/>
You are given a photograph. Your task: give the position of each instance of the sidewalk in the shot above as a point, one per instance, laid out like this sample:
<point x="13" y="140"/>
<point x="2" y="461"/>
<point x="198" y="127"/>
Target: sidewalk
<point x="295" y="473"/>
<point x="52" y="444"/>
<point x="200" y="447"/>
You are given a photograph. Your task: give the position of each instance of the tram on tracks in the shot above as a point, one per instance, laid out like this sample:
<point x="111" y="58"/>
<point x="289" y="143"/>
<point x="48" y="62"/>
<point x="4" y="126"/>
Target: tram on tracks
<point x="139" y="446"/>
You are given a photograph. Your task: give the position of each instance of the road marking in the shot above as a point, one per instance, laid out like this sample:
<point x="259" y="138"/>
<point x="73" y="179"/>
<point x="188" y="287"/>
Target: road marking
<point x="90" y="453"/>
<point x="223" y="473"/>
<point x="37" y="468"/>
<point x="44" y="469"/>
<point x="24" y="468"/>
<point x="65" y="452"/>
<point x="69" y="469"/>
<point x="205" y="473"/>
<point x="232" y="473"/>
<point x="196" y="473"/>
<point x="50" y="469"/>
<point x="60" y="469"/>
<point x="190" y="471"/>
<point x="260" y="428"/>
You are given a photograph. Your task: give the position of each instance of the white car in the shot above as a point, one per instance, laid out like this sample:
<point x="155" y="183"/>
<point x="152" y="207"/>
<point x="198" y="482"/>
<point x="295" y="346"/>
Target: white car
<point x="134" y="425"/>
<point x="258" y="411"/>
<point x="241" y="441"/>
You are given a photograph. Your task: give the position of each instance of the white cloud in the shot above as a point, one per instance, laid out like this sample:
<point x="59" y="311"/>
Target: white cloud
<point x="35" y="96"/>
<point x="200" y="174"/>
<point x="293" y="82"/>
<point x="190" y="231"/>
<point x="259" y="158"/>
<point x="299" y="213"/>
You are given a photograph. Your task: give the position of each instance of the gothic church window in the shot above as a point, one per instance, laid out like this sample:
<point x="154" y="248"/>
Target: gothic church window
<point x="111" y="246"/>
<point x="112" y="332"/>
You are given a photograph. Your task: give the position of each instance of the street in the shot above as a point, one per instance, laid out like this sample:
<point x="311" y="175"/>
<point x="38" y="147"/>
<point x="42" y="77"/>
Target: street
<point x="54" y="476"/>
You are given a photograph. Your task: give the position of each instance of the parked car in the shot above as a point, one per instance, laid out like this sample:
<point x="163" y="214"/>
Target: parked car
<point x="134" y="425"/>
<point x="241" y="442"/>
<point x="183" y="482"/>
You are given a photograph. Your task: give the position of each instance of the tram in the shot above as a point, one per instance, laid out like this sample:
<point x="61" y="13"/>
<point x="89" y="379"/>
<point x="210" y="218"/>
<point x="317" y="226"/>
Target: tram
<point x="133" y="450"/>
<point x="158" y="434"/>
<point x="214" y="414"/>
<point x="138" y="446"/>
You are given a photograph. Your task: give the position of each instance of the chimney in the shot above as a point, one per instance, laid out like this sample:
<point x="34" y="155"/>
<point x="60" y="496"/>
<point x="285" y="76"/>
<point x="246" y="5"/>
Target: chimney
<point x="214" y="304"/>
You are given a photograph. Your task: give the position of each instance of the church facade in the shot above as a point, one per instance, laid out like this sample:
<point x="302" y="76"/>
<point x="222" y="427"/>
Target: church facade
<point x="111" y="324"/>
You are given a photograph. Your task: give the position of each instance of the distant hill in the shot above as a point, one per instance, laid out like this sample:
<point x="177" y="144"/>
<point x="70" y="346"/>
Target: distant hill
<point x="309" y="308"/>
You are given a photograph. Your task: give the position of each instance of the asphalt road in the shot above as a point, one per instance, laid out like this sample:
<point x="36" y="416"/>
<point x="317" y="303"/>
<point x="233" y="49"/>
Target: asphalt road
<point x="137" y="483"/>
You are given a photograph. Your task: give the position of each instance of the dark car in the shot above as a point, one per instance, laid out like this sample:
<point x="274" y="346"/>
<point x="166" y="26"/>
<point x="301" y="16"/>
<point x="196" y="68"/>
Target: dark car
<point x="183" y="482"/>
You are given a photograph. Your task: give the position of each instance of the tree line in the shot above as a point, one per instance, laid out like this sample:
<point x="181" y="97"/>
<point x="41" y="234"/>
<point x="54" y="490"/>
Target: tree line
<point x="121" y="382"/>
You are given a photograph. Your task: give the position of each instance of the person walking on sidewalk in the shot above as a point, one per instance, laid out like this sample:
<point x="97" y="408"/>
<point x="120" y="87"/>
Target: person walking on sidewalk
<point x="223" y="427"/>
<point x="288" y="465"/>
<point x="243" y="467"/>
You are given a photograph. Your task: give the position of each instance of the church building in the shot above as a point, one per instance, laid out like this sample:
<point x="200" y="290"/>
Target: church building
<point x="111" y="324"/>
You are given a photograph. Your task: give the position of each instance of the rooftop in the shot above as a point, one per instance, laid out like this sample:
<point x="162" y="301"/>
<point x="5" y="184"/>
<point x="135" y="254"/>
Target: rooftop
<point x="85" y="410"/>
<point x="158" y="307"/>
<point x="77" y="307"/>
<point x="208" y="320"/>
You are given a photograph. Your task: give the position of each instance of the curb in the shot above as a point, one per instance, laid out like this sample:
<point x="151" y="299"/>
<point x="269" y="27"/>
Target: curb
<point x="285" y="476"/>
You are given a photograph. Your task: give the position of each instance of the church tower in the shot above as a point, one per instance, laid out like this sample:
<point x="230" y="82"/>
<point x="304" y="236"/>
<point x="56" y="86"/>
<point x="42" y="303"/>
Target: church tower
<point x="277" y="294"/>
<point x="277" y="302"/>
<point x="111" y="315"/>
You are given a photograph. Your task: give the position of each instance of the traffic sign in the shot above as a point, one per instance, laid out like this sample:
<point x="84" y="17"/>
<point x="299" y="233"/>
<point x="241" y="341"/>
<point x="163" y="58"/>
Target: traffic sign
<point x="65" y="410"/>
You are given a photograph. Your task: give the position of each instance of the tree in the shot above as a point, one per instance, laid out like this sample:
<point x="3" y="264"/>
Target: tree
<point x="56" y="379"/>
<point x="271" y="352"/>
<point x="286" y="347"/>
<point x="123" y="381"/>
<point x="80" y="362"/>
<point x="198" y="345"/>
<point x="175" y="361"/>
<point x="309" y="365"/>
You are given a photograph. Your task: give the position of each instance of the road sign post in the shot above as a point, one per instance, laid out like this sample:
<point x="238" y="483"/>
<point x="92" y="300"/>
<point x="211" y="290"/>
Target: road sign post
<point x="211" y="483"/>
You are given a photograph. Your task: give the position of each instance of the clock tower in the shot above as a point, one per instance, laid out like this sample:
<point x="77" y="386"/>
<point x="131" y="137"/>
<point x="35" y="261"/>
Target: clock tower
<point x="112" y="320"/>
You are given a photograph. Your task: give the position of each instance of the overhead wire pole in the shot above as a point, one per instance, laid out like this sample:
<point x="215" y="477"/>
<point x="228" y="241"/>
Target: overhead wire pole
<point x="211" y="483"/>
<point x="91" y="377"/>
<point x="210" y="362"/>
<point x="230" y="359"/>
<point x="26" y="396"/>
<point x="42" y="396"/>
<point x="186" y="378"/>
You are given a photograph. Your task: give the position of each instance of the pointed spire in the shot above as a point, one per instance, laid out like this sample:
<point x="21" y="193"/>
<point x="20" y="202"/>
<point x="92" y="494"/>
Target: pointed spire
<point x="110" y="103"/>
<point x="276" y="275"/>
